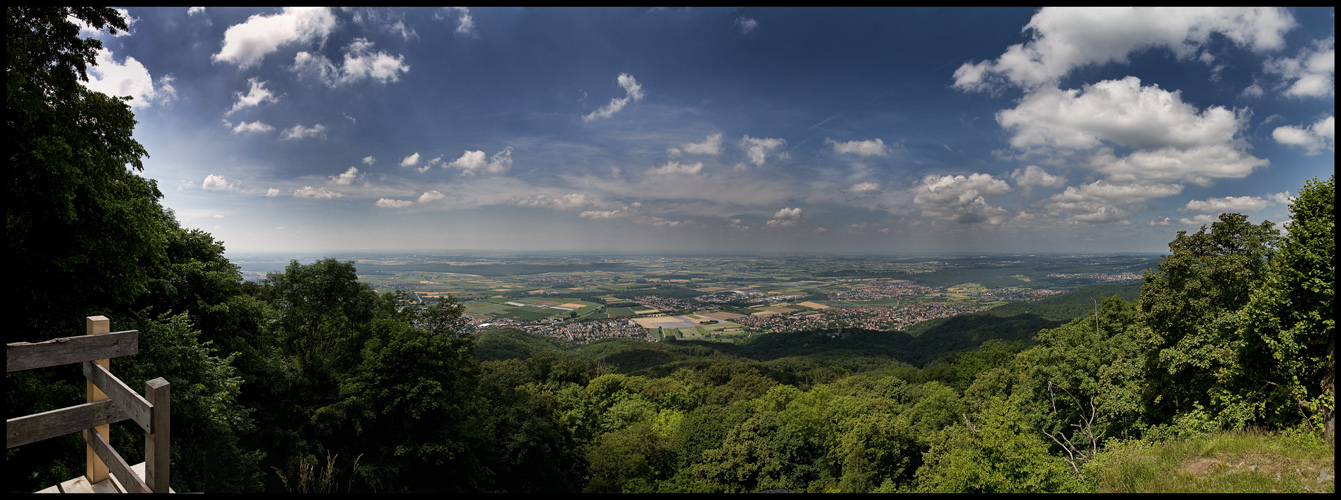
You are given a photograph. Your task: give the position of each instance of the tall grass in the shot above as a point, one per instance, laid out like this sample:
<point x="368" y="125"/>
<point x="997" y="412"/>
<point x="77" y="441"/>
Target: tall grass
<point x="1249" y="461"/>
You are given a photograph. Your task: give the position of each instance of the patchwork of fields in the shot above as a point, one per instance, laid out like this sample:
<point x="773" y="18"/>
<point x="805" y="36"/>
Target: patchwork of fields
<point x="726" y="298"/>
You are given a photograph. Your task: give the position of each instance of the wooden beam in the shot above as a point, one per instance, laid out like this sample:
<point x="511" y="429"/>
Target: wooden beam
<point x="131" y="402"/>
<point x="21" y="356"/>
<point x="33" y="428"/>
<point x="96" y="469"/>
<point x="156" y="449"/>
<point x="117" y="465"/>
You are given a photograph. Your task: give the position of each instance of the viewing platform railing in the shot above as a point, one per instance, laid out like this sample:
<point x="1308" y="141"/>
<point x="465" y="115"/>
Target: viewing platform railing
<point x="107" y="400"/>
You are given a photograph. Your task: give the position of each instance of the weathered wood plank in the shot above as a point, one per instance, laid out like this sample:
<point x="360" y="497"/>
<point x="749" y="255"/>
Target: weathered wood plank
<point x="33" y="428"/>
<point x="130" y="401"/>
<point x="156" y="449"/>
<point x="108" y="485"/>
<point x="77" y="485"/>
<point x="21" y="356"/>
<point x="140" y="471"/>
<point x="94" y="468"/>
<point x="115" y="464"/>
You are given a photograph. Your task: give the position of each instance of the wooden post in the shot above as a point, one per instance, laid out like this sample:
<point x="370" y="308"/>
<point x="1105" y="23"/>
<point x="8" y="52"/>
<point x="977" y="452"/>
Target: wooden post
<point x="156" y="450"/>
<point x="94" y="469"/>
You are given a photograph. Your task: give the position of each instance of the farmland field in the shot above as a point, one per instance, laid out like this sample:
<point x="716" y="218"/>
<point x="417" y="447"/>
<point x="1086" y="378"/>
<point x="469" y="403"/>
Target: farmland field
<point x="775" y="290"/>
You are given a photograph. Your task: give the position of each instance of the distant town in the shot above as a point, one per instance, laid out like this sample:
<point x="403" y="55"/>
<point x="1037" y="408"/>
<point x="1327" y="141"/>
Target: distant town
<point x="582" y="299"/>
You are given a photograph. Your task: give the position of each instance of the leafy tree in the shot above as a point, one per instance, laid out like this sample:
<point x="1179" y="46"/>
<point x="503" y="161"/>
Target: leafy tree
<point x="878" y="448"/>
<point x="760" y="454"/>
<point x="1082" y="381"/>
<point x="86" y="235"/>
<point x="1189" y="310"/>
<point x="1288" y="355"/>
<point x="704" y="428"/>
<point x="80" y="225"/>
<point x="208" y="453"/>
<point x="994" y="451"/>
<point x="629" y="460"/>
<point x="414" y="406"/>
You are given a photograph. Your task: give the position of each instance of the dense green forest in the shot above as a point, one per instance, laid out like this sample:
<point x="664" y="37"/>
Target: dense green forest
<point x="310" y="381"/>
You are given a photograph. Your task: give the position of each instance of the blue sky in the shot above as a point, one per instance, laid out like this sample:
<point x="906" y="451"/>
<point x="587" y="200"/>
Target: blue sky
<point x="880" y="130"/>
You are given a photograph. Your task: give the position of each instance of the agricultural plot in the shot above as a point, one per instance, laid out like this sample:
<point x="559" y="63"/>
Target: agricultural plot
<point x="527" y="313"/>
<point x="488" y="309"/>
<point x="719" y="332"/>
<point x="619" y="312"/>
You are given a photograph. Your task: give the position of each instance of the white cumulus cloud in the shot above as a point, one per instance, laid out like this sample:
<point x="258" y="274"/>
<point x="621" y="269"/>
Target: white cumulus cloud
<point x="473" y="162"/>
<point x="788" y="213"/>
<point x="215" y="183"/>
<point x="301" y="132"/>
<point x="1118" y="111"/>
<point x="1314" y="138"/>
<point x="390" y="203"/>
<point x="360" y="63"/>
<point x="632" y="92"/>
<point x="600" y="214"/>
<point x="1226" y="204"/>
<point x="311" y="192"/>
<point x="1065" y="38"/>
<point x="272" y="192"/>
<point x="861" y="188"/>
<point x="1312" y="74"/>
<point x="257" y="95"/>
<point x="408" y="161"/>
<point x="465" y="24"/>
<point x="874" y="147"/>
<point x="1104" y="201"/>
<point x="757" y="149"/>
<point x="128" y="78"/>
<point x="346" y="178"/>
<point x="1200" y="220"/>
<point x="430" y="196"/>
<point x="711" y="145"/>
<point x="249" y="128"/>
<point x="1173" y="140"/>
<point x="1033" y="175"/>
<point x="960" y="198"/>
<point x="246" y="44"/>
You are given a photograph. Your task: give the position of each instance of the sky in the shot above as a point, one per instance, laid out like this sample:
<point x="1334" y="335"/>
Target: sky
<point x="892" y="131"/>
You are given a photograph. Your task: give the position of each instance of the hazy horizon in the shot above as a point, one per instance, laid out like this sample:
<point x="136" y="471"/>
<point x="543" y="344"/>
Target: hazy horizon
<point x="880" y="131"/>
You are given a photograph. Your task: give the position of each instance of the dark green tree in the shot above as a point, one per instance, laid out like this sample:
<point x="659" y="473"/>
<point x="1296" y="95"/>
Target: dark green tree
<point x="1189" y="310"/>
<point x="993" y="451"/>
<point x="415" y="411"/>
<point x="80" y="226"/>
<point x="86" y="235"/>
<point x="1083" y="380"/>
<point x="1289" y="345"/>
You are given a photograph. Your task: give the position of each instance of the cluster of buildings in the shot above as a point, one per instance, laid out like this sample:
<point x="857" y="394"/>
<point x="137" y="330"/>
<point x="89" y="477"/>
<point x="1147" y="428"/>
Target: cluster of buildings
<point x="671" y="304"/>
<point x="1106" y="277"/>
<point x="881" y="290"/>
<point x="869" y="318"/>
<point x="1017" y="294"/>
<point x="583" y="332"/>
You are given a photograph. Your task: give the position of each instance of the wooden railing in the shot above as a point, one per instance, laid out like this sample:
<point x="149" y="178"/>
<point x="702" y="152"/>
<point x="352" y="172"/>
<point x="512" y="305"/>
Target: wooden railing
<point x="108" y="400"/>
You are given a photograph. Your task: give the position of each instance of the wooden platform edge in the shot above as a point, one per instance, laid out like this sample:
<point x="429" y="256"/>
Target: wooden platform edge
<point x="81" y="485"/>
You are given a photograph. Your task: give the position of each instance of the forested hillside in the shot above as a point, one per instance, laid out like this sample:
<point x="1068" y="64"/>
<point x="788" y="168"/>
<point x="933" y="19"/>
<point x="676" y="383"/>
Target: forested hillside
<point x="310" y="381"/>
